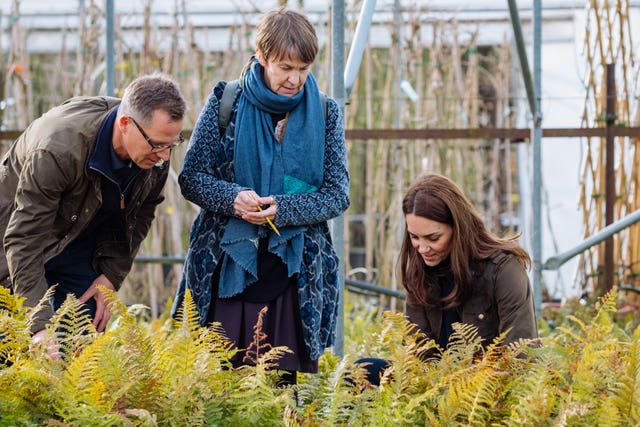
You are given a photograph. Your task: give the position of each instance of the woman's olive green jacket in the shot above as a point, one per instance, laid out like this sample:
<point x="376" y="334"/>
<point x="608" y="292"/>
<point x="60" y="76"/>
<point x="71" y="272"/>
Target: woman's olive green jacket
<point x="501" y="300"/>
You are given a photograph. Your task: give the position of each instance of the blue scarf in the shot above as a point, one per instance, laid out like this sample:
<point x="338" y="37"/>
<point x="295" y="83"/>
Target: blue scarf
<point x="270" y="168"/>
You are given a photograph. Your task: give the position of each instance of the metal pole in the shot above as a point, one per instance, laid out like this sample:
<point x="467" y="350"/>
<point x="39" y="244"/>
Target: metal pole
<point x="338" y="93"/>
<point x="358" y="45"/>
<point x="610" y="178"/>
<point x="110" y="51"/>
<point x="533" y="95"/>
<point x="522" y="54"/>
<point x="537" y="157"/>
<point x="398" y="24"/>
<point x="554" y="262"/>
<point x="397" y="170"/>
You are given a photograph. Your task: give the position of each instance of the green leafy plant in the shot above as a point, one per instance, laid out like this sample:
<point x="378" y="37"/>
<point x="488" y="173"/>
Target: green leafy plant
<point x="173" y="373"/>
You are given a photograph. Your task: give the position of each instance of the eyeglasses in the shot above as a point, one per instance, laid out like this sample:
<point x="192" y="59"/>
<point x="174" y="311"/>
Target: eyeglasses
<point x="155" y="148"/>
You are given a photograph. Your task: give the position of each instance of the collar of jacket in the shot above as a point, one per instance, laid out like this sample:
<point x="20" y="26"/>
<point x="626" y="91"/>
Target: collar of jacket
<point x="102" y="157"/>
<point x="99" y="158"/>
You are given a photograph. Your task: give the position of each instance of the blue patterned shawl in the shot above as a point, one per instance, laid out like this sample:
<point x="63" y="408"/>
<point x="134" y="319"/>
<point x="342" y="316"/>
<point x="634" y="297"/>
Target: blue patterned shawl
<point x="269" y="167"/>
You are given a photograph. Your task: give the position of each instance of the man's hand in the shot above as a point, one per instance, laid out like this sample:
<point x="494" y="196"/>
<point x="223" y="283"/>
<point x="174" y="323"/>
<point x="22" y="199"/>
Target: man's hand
<point x="103" y="312"/>
<point x="42" y="338"/>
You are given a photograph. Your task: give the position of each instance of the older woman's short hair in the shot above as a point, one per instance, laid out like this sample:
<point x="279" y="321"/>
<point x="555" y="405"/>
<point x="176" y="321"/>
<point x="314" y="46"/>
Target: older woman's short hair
<point x="283" y="34"/>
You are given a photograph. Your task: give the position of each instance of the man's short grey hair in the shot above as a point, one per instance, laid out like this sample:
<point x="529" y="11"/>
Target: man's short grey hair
<point x="151" y="92"/>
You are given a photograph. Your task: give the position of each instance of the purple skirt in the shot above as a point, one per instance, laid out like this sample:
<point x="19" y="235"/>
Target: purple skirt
<point x="281" y="324"/>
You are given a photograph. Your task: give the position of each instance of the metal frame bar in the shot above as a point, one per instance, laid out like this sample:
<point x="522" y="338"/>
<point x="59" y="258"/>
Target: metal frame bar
<point x="338" y="94"/>
<point x="534" y="89"/>
<point x="522" y="56"/>
<point x="110" y="50"/>
<point x="556" y="261"/>
<point x="514" y="134"/>
<point x="358" y="45"/>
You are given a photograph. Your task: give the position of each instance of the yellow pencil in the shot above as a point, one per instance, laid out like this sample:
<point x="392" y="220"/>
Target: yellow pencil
<point x="269" y="222"/>
<point x="273" y="227"/>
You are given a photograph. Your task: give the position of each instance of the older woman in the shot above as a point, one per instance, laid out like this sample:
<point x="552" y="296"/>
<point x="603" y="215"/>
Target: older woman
<point x="267" y="185"/>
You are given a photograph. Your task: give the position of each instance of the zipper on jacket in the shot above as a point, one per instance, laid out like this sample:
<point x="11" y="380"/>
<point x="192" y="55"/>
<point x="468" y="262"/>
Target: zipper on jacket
<point x="129" y="184"/>
<point x="122" y="191"/>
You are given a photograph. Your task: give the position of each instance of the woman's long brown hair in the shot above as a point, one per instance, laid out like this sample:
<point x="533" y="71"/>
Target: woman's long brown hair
<point x="437" y="198"/>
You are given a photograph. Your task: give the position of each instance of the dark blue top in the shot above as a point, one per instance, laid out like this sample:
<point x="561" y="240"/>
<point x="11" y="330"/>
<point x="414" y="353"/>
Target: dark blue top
<point x="450" y="316"/>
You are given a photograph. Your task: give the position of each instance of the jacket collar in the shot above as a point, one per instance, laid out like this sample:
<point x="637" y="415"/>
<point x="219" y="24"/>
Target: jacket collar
<point x="103" y="158"/>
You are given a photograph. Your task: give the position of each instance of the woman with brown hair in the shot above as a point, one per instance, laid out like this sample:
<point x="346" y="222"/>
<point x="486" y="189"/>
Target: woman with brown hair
<point x="455" y="270"/>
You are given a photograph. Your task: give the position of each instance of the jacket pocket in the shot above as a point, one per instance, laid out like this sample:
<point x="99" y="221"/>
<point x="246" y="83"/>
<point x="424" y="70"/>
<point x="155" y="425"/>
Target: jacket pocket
<point x="480" y="312"/>
<point x="66" y="218"/>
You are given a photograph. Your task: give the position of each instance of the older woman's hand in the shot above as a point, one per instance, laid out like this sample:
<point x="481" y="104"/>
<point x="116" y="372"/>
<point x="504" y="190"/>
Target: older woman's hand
<point x="253" y="208"/>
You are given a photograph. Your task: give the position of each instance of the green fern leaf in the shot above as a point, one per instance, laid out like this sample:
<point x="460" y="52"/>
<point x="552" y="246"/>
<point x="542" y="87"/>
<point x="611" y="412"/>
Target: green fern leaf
<point x="187" y="317"/>
<point x="72" y="326"/>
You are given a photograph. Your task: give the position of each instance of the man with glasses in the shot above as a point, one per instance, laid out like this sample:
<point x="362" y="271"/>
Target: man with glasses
<point x="78" y="191"/>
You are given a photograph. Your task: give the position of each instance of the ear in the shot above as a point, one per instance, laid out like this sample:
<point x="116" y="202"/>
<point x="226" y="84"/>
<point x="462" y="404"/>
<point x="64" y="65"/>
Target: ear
<point x="260" y="58"/>
<point x="123" y="122"/>
<point x="122" y="125"/>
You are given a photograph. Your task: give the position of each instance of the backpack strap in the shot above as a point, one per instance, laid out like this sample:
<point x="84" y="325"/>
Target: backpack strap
<point x="229" y="96"/>
<point x="323" y="101"/>
<point x="226" y="104"/>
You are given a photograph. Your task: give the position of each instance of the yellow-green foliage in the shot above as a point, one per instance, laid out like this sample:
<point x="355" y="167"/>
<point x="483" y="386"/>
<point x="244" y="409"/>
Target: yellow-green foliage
<point x="176" y="373"/>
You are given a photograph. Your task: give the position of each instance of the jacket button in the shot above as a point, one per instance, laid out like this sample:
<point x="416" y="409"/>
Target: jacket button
<point x="74" y="218"/>
<point x="481" y="316"/>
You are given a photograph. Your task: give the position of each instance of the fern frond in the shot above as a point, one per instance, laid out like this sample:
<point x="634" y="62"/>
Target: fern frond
<point x="187" y="318"/>
<point x="116" y="306"/>
<point x="10" y="303"/>
<point x="406" y="373"/>
<point x="608" y="302"/>
<point x="44" y="302"/>
<point x="464" y="342"/>
<point x="529" y="399"/>
<point x="485" y="396"/>
<point x="72" y="326"/>
<point x="191" y="361"/>
<point x="626" y="395"/>
<point x="269" y="360"/>
<point x="607" y="414"/>
<point x="471" y="397"/>
<point x="82" y="380"/>
<point x="331" y="397"/>
<point x="395" y="327"/>
<point x="602" y="324"/>
<point x="256" y="400"/>
<point x="15" y="335"/>
<point x="495" y="349"/>
<point x="27" y="396"/>
<point x="583" y="326"/>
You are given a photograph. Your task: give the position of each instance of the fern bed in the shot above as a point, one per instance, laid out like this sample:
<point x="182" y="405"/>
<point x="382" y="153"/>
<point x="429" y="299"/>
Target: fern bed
<point x="170" y="372"/>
